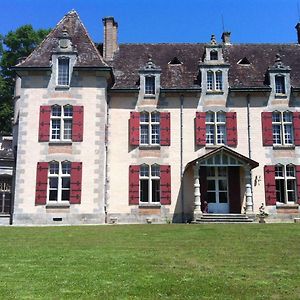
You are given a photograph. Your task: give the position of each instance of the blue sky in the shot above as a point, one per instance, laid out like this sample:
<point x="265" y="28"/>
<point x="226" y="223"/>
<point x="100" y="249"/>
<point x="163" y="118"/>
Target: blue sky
<point x="157" y="21"/>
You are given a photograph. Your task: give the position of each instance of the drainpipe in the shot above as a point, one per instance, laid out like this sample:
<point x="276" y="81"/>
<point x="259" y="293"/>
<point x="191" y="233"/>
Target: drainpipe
<point x="106" y="158"/>
<point x="249" y="141"/>
<point x="181" y="158"/>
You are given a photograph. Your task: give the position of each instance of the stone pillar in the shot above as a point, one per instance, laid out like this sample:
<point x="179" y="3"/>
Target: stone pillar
<point x="197" y="201"/>
<point x="249" y="198"/>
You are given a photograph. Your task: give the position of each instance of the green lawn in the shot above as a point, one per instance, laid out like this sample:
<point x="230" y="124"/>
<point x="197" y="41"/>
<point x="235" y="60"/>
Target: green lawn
<point x="249" y="261"/>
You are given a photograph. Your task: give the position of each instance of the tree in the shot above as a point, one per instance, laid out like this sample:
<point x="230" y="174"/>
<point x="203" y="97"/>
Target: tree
<point x="14" y="45"/>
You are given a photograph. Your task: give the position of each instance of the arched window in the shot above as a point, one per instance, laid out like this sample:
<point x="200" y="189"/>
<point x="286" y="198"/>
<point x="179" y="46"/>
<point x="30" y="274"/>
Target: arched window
<point x="219" y="81"/>
<point x="213" y="55"/>
<point x="210" y="80"/>
<point x="150" y="183"/>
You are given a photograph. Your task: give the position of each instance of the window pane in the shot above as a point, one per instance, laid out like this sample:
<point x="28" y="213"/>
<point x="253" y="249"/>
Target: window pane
<point x="210" y="171"/>
<point x="55" y="129"/>
<point x="279" y="85"/>
<point x="210" y="117"/>
<point x="210" y="81"/>
<point x="53" y="183"/>
<point x="288" y="134"/>
<point x="144" y="170"/>
<point x="222" y="171"/>
<point x="150" y="85"/>
<point x="276" y="117"/>
<point x="276" y="134"/>
<point x="290" y="171"/>
<point x="144" y="134"/>
<point x="155" y="190"/>
<point x="213" y="55"/>
<point x="68" y="111"/>
<point x="222" y="197"/>
<point x="144" y="196"/>
<point x="211" y="185"/>
<point x="211" y="197"/>
<point x="291" y="196"/>
<point x="67" y="129"/>
<point x="219" y="81"/>
<point x="56" y="111"/>
<point x="65" y="195"/>
<point x="210" y="134"/>
<point x="54" y="168"/>
<point x="155" y="134"/>
<point x="65" y="183"/>
<point x="155" y="170"/>
<point x="63" y="71"/>
<point x="287" y="116"/>
<point x="66" y="167"/>
<point x="223" y="185"/>
<point x="155" y="117"/>
<point x="221" y="131"/>
<point x="280" y="196"/>
<point x="278" y="171"/>
<point x="53" y="195"/>
<point x="144" y="117"/>
<point x="221" y="117"/>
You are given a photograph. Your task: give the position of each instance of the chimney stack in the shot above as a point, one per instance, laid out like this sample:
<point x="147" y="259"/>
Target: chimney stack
<point x="110" y="39"/>
<point x="298" y="32"/>
<point x="226" y="37"/>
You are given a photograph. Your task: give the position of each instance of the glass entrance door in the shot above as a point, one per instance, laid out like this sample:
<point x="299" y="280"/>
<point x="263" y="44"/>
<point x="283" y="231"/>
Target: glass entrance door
<point x="217" y="190"/>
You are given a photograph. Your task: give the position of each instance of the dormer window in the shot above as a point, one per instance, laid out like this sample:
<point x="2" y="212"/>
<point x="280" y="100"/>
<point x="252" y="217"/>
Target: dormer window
<point x="213" y="55"/>
<point x="279" y="84"/>
<point x="63" y="74"/>
<point x="214" y="81"/>
<point x="150" y="85"/>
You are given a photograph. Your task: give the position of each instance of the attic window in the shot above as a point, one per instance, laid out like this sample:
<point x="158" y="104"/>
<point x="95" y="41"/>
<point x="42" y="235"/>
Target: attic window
<point x="214" y="55"/>
<point x="175" y="61"/>
<point x="244" y="61"/>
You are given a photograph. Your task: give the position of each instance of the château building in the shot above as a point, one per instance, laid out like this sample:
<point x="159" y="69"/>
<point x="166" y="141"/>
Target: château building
<point x="136" y="133"/>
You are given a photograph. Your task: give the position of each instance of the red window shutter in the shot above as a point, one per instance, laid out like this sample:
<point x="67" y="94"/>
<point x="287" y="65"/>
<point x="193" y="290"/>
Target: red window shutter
<point x="77" y="124"/>
<point x="134" y="128"/>
<point x="41" y="183"/>
<point x="270" y="186"/>
<point x="200" y="131"/>
<point x="165" y="129"/>
<point x="165" y="184"/>
<point x="296" y="125"/>
<point x="267" y="130"/>
<point x="75" y="184"/>
<point x="231" y="129"/>
<point x="44" y="124"/>
<point x="298" y="183"/>
<point x="134" y="185"/>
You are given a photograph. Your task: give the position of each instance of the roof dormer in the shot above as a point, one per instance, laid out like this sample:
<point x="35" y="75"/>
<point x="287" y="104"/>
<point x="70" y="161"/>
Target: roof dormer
<point x="213" y="52"/>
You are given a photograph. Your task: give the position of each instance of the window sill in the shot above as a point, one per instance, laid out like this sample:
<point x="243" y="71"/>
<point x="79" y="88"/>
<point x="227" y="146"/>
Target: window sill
<point x="148" y="96"/>
<point x="280" y="96"/>
<point x="149" y="205"/>
<point x="60" y="143"/>
<point x="149" y="147"/>
<point x="214" y="92"/>
<point x="287" y="205"/>
<point x="62" y="87"/>
<point x="283" y="147"/>
<point x="214" y="146"/>
<point x="58" y="205"/>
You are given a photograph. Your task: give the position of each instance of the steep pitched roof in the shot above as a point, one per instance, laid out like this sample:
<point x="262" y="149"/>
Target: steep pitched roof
<point x="131" y="57"/>
<point x="88" y="55"/>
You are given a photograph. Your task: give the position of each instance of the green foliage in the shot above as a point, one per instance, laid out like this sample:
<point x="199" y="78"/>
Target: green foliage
<point x="219" y="261"/>
<point x="14" y="45"/>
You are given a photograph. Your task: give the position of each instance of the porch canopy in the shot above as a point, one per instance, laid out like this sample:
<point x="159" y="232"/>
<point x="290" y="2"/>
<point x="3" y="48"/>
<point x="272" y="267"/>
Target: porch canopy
<point x="233" y="161"/>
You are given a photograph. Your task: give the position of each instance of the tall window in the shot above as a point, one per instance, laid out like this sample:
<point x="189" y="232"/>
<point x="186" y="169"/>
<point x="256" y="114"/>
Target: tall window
<point x="61" y="122"/>
<point x="282" y="125"/>
<point x="63" y="71"/>
<point x="149" y="183"/>
<point x="150" y="85"/>
<point x="59" y="181"/>
<point x="279" y="84"/>
<point x="285" y="178"/>
<point x="214" y="81"/>
<point x="215" y="128"/>
<point x="150" y="128"/>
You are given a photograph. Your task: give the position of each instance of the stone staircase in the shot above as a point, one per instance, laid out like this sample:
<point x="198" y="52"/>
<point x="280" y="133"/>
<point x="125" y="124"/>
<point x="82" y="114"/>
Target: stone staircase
<point x="223" y="218"/>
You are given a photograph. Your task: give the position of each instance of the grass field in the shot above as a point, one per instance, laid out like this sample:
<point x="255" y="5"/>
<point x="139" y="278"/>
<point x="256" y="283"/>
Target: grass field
<point x="256" y="261"/>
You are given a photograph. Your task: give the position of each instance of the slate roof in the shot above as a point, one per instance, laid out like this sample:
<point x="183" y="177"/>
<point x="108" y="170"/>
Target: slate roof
<point x="88" y="55"/>
<point x="131" y="57"/>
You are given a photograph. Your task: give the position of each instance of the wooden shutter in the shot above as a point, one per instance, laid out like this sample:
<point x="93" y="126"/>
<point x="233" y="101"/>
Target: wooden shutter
<point x="77" y="125"/>
<point x="134" y="128"/>
<point x="200" y="128"/>
<point x="76" y="182"/>
<point x="44" y="123"/>
<point x="267" y="130"/>
<point x="134" y="185"/>
<point x="298" y="183"/>
<point x="203" y="188"/>
<point x="296" y="125"/>
<point x="231" y="129"/>
<point x="165" y="184"/>
<point x="41" y="183"/>
<point x="270" y="186"/>
<point x="165" y="129"/>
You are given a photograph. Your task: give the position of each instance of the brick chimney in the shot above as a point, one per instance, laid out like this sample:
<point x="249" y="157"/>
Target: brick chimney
<point x="110" y="39"/>
<point x="298" y="32"/>
<point x="226" y="37"/>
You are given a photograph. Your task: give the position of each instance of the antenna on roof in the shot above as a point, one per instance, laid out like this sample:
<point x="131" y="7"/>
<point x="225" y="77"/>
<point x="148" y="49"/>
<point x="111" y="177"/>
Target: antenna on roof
<point x="223" y="27"/>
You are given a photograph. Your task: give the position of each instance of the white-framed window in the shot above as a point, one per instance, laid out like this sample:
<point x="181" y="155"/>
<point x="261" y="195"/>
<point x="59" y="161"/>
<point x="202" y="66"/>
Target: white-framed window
<point x="150" y="128"/>
<point x="285" y="179"/>
<point x="215" y="128"/>
<point x="61" y="122"/>
<point x="282" y="126"/>
<point x="149" y="183"/>
<point x="279" y="84"/>
<point x="59" y="176"/>
<point x="150" y="85"/>
<point x="214" y="80"/>
<point x="63" y="71"/>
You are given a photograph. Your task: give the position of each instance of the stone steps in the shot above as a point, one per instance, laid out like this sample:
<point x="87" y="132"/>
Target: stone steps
<point x="223" y="218"/>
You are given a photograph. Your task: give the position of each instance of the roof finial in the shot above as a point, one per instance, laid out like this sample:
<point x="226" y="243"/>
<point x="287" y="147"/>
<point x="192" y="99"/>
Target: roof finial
<point x="213" y="39"/>
<point x="278" y="62"/>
